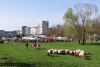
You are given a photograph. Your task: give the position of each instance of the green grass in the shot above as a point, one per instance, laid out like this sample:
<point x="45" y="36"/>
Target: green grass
<point x="16" y="55"/>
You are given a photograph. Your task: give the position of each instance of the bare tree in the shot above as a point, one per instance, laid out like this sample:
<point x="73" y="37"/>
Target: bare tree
<point x="85" y="12"/>
<point x="57" y="31"/>
<point x="95" y="26"/>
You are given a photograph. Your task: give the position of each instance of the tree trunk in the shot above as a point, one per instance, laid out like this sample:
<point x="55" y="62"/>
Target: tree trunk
<point x="83" y="34"/>
<point x="80" y="42"/>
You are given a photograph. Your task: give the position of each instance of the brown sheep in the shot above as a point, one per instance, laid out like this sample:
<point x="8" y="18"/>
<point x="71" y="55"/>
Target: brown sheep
<point x="85" y="57"/>
<point x="47" y="54"/>
<point x="88" y="52"/>
<point x="38" y="46"/>
<point x="76" y="54"/>
<point x="32" y="46"/>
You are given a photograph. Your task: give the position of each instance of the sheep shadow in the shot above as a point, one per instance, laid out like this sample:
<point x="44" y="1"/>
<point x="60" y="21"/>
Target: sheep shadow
<point x="88" y="58"/>
<point x="88" y="54"/>
<point x="54" y="56"/>
<point x="40" y="49"/>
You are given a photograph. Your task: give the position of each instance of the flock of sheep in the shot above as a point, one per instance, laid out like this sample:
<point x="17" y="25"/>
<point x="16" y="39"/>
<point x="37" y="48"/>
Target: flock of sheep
<point x="75" y="53"/>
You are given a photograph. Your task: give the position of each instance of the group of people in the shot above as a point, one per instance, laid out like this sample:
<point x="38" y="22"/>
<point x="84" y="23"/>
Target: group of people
<point x="35" y="45"/>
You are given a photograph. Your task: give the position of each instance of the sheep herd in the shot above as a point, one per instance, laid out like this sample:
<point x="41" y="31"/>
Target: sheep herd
<point x="75" y="53"/>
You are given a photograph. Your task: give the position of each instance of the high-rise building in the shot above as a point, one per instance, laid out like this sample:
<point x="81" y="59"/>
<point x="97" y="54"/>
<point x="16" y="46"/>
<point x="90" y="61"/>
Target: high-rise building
<point x="42" y="28"/>
<point x="33" y="31"/>
<point x="25" y="30"/>
<point x="28" y="30"/>
<point x="22" y="29"/>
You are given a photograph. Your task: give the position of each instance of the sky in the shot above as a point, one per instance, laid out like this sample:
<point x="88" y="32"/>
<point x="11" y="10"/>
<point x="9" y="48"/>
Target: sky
<point x="17" y="13"/>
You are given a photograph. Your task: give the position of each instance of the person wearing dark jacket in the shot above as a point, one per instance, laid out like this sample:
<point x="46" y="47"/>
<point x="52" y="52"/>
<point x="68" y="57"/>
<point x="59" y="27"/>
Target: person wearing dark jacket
<point x="35" y="45"/>
<point x="26" y="45"/>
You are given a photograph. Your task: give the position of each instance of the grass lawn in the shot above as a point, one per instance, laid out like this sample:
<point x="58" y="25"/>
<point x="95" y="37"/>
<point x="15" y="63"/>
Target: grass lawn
<point x="16" y="55"/>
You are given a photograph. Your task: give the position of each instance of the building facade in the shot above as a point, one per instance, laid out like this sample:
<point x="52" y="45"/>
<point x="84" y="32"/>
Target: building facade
<point x="33" y="31"/>
<point x="42" y="28"/>
<point x="28" y="30"/>
<point x="7" y="34"/>
<point x="23" y="29"/>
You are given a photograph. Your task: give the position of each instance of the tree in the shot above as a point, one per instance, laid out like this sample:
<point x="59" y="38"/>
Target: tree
<point x="57" y="31"/>
<point x="73" y="28"/>
<point x="85" y="12"/>
<point x="95" y="27"/>
<point x="17" y="35"/>
<point x="22" y="35"/>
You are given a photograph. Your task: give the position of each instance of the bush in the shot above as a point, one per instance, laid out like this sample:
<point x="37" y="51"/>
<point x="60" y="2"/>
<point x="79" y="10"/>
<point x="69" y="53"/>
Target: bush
<point x="18" y="36"/>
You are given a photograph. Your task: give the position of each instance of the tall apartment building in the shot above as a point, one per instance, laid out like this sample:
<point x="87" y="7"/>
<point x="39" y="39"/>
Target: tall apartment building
<point x="28" y="30"/>
<point x="42" y="28"/>
<point x="22" y="29"/>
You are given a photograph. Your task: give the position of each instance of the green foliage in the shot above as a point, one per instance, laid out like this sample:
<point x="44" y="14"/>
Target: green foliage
<point x="17" y="55"/>
<point x="71" y="22"/>
<point x="18" y="35"/>
<point x="95" y="27"/>
<point x="92" y="39"/>
<point x="22" y="35"/>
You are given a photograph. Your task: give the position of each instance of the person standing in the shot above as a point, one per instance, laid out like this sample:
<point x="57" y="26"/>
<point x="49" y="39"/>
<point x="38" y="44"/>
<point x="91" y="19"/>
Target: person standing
<point x="35" y="45"/>
<point x="26" y="45"/>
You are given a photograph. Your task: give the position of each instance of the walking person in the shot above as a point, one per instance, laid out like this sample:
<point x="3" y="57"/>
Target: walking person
<point x="35" y="45"/>
<point x="26" y="45"/>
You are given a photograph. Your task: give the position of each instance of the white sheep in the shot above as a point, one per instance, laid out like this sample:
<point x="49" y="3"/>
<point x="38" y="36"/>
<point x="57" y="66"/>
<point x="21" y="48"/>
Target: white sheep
<point x="77" y="51"/>
<point x="59" y="51"/>
<point x="67" y="51"/>
<point x="50" y="51"/>
<point x="53" y="51"/>
<point x="74" y="52"/>
<point x="82" y="53"/>
<point x="70" y="52"/>
<point x="56" y="51"/>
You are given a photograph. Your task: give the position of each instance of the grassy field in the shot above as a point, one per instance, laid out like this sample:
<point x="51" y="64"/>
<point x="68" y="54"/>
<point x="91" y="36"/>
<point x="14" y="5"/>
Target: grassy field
<point x="16" y="55"/>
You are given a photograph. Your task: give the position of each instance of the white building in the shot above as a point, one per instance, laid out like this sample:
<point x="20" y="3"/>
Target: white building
<point x="25" y="30"/>
<point x="22" y="29"/>
<point x="42" y="28"/>
<point x="17" y="31"/>
<point x="28" y="30"/>
<point x="56" y="26"/>
<point x="33" y="31"/>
